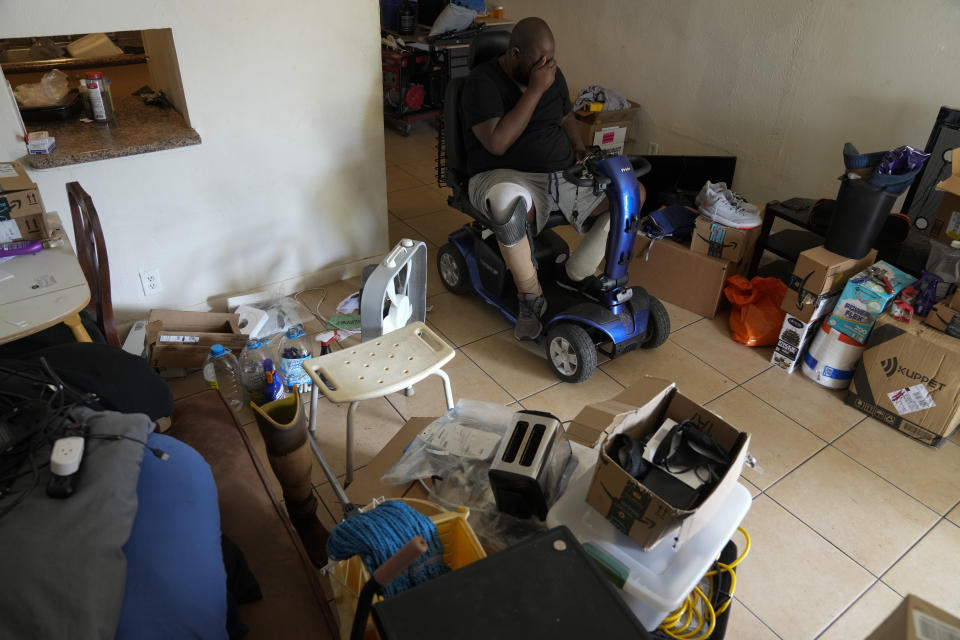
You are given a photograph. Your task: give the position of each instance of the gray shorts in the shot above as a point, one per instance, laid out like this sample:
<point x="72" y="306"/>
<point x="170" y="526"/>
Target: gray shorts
<point x="549" y="191"/>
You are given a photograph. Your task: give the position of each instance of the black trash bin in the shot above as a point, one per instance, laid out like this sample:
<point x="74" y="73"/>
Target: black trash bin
<point x="860" y="214"/>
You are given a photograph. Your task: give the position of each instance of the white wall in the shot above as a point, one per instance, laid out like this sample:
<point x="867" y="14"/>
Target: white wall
<point x="289" y="178"/>
<point x="780" y="84"/>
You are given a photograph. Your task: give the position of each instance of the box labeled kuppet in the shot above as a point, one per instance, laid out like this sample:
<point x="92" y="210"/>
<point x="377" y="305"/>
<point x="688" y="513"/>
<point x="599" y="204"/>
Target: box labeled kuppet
<point x="183" y="338"/>
<point x="909" y="379"/>
<point x="624" y="501"/>
<point x="21" y="208"/>
<point x="720" y="241"/>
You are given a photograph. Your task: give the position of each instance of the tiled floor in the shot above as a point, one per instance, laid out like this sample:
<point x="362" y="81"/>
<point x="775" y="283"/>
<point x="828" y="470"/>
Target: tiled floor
<point x="848" y="515"/>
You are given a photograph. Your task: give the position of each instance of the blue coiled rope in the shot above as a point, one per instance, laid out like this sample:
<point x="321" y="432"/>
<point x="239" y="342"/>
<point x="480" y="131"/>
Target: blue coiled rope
<point x="379" y="533"/>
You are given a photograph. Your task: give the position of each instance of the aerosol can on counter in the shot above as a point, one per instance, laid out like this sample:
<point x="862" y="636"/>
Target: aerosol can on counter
<point x="294" y="348"/>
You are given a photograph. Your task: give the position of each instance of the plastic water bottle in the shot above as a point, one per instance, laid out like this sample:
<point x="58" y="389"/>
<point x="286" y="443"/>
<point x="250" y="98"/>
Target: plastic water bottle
<point x="272" y="387"/>
<point x="294" y="349"/>
<point x="251" y="369"/>
<point x="222" y="371"/>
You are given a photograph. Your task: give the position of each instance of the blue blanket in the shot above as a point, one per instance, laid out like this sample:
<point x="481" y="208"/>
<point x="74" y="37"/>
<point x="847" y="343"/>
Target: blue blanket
<point x="176" y="583"/>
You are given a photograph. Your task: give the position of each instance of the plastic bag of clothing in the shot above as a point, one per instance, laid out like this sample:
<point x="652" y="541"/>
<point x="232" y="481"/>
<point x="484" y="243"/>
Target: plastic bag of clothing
<point x="756" y="317"/>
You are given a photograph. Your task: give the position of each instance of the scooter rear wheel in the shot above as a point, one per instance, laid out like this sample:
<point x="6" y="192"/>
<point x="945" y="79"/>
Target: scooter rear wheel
<point x="571" y="352"/>
<point x="453" y="269"/>
<point x="658" y="325"/>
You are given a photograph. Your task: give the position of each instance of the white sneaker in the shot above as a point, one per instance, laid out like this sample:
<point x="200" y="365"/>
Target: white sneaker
<point x="722" y="205"/>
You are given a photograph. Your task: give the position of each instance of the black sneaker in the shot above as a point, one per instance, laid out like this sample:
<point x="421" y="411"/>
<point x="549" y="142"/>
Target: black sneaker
<point x="588" y="287"/>
<point x="528" y="325"/>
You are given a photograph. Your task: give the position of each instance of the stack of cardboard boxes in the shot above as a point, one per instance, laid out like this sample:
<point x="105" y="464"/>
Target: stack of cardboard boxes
<point x="813" y="291"/>
<point x="21" y="208"/>
<point x="693" y="276"/>
<point x="609" y="130"/>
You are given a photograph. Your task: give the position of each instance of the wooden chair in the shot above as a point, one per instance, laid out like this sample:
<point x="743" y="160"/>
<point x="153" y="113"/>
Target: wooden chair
<point x="92" y="255"/>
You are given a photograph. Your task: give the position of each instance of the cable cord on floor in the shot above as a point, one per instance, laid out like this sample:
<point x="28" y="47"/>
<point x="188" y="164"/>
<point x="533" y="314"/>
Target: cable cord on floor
<point x="697" y="616"/>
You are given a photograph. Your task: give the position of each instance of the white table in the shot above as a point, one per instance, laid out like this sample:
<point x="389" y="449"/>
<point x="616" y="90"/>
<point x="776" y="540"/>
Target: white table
<point x="46" y="288"/>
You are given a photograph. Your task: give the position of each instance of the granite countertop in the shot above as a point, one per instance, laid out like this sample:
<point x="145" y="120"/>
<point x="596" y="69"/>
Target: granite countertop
<point x="137" y="128"/>
<point x="73" y="63"/>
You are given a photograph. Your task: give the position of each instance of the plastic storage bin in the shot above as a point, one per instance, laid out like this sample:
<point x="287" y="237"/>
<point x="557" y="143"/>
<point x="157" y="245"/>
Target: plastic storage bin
<point x="460" y="548"/>
<point x="654" y="583"/>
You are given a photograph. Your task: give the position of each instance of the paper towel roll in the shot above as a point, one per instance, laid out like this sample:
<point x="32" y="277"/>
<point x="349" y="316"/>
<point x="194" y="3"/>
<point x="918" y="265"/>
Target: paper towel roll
<point x="832" y="358"/>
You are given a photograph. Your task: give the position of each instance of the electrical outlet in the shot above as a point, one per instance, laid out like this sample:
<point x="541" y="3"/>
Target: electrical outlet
<point x="150" y="280"/>
<point x="654" y="149"/>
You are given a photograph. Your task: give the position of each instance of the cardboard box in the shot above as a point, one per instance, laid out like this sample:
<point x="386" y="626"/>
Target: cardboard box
<point x="21" y="208"/>
<point x="719" y="241"/>
<point x="183" y="338"/>
<point x="625" y="502"/>
<point x="909" y="379"/>
<point x="917" y="619"/>
<point x="610" y="139"/>
<point x="592" y="123"/>
<point x="820" y="271"/>
<point x="674" y="273"/>
<point x="795" y="338"/>
<point x="940" y="316"/>
<point x="808" y="307"/>
<point x="863" y="300"/>
<point x="946" y="222"/>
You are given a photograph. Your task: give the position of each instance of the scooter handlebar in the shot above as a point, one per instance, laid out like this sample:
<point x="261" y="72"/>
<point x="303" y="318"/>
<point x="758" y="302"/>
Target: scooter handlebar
<point x="585" y="174"/>
<point x="581" y="175"/>
<point x="641" y="166"/>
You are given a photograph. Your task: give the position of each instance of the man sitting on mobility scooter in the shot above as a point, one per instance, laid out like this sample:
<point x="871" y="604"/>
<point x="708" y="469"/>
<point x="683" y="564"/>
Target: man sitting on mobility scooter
<point x="520" y="135"/>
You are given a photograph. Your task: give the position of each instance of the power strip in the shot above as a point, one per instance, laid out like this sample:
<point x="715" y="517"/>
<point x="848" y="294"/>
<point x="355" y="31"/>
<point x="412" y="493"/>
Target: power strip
<point x="65" y="461"/>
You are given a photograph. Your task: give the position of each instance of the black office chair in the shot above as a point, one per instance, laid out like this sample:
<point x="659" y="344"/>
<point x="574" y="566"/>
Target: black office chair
<point x="452" y="150"/>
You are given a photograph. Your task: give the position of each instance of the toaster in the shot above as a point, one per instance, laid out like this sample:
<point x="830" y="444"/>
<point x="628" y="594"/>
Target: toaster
<point x="527" y="469"/>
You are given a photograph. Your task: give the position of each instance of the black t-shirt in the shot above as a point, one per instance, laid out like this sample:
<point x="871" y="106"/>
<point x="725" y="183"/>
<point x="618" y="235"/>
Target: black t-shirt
<point x="543" y="146"/>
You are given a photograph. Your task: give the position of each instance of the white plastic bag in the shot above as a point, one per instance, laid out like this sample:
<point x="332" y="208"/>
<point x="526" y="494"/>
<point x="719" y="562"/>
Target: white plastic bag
<point x="452" y="18"/>
<point x="51" y="89"/>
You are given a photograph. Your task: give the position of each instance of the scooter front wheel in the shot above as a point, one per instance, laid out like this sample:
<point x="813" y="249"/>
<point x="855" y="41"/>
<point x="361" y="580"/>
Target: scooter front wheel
<point x="658" y="325"/>
<point x="571" y="352"/>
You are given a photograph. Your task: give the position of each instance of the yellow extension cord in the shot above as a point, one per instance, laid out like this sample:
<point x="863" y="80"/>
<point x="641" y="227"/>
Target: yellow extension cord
<point x="688" y="620"/>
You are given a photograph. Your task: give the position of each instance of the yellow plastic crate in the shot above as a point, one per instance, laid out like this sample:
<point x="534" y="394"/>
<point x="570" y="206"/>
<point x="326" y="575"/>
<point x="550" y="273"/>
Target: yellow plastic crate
<point x="460" y="548"/>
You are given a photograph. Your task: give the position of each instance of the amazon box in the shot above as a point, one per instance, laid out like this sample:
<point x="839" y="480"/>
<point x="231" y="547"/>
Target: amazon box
<point x="819" y="271"/>
<point x="909" y="379"/>
<point x="672" y="272"/>
<point x="21" y="208"/>
<point x="183" y="338"/>
<point x="638" y="411"/>
<point x="720" y="241"/>
<point x="917" y="619"/>
<point x="941" y="316"/>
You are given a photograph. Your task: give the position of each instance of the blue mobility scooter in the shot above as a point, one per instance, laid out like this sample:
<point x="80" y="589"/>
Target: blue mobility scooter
<point x="612" y="317"/>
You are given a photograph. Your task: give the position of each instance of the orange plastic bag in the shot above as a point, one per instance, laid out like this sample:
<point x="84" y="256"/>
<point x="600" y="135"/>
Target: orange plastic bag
<point x="756" y="317"/>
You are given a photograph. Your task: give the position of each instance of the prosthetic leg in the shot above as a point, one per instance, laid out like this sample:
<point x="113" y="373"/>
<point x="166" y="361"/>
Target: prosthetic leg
<point x="283" y="426"/>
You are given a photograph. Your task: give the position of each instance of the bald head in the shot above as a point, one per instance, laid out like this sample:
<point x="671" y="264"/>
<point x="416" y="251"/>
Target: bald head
<point x="530" y="42"/>
<point x="530" y="32"/>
